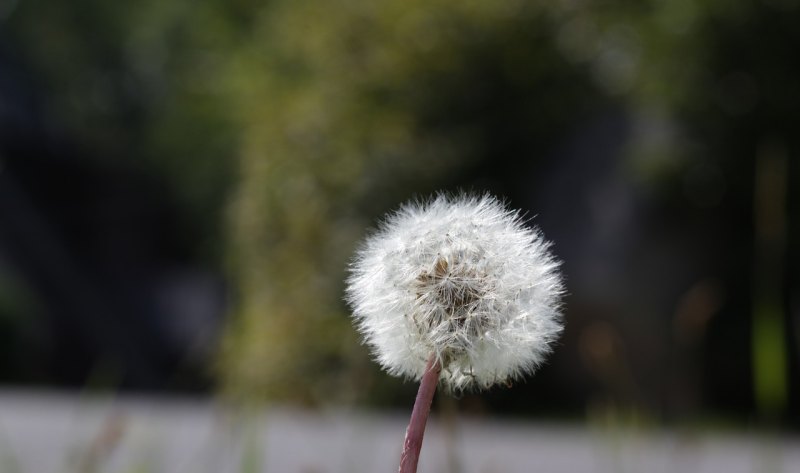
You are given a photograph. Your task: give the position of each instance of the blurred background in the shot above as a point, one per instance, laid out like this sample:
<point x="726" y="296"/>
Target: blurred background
<point x="182" y="184"/>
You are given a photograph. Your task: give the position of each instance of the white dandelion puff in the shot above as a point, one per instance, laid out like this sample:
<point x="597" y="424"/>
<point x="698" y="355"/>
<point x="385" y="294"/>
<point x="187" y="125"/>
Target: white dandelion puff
<point x="460" y="280"/>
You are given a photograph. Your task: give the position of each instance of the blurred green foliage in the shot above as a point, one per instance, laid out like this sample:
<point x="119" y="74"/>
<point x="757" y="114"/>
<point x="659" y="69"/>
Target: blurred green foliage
<point x="286" y="127"/>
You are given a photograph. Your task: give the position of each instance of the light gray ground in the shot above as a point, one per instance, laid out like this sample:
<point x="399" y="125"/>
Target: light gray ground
<point x="49" y="432"/>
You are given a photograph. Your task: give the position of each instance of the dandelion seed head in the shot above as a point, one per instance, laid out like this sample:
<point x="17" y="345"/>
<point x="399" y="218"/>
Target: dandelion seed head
<point x="462" y="278"/>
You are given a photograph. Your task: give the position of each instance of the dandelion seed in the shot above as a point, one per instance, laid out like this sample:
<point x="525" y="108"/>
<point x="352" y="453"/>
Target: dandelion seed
<point x="463" y="279"/>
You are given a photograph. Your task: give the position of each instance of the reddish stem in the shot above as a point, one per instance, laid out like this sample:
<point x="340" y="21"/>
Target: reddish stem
<point x="419" y="417"/>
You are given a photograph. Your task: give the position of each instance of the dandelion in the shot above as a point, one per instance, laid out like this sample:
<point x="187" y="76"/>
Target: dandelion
<point x="456" y="291"/>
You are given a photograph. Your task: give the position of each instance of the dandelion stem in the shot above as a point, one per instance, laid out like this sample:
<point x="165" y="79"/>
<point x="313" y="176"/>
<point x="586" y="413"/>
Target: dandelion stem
<point x="419" y="417"/>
